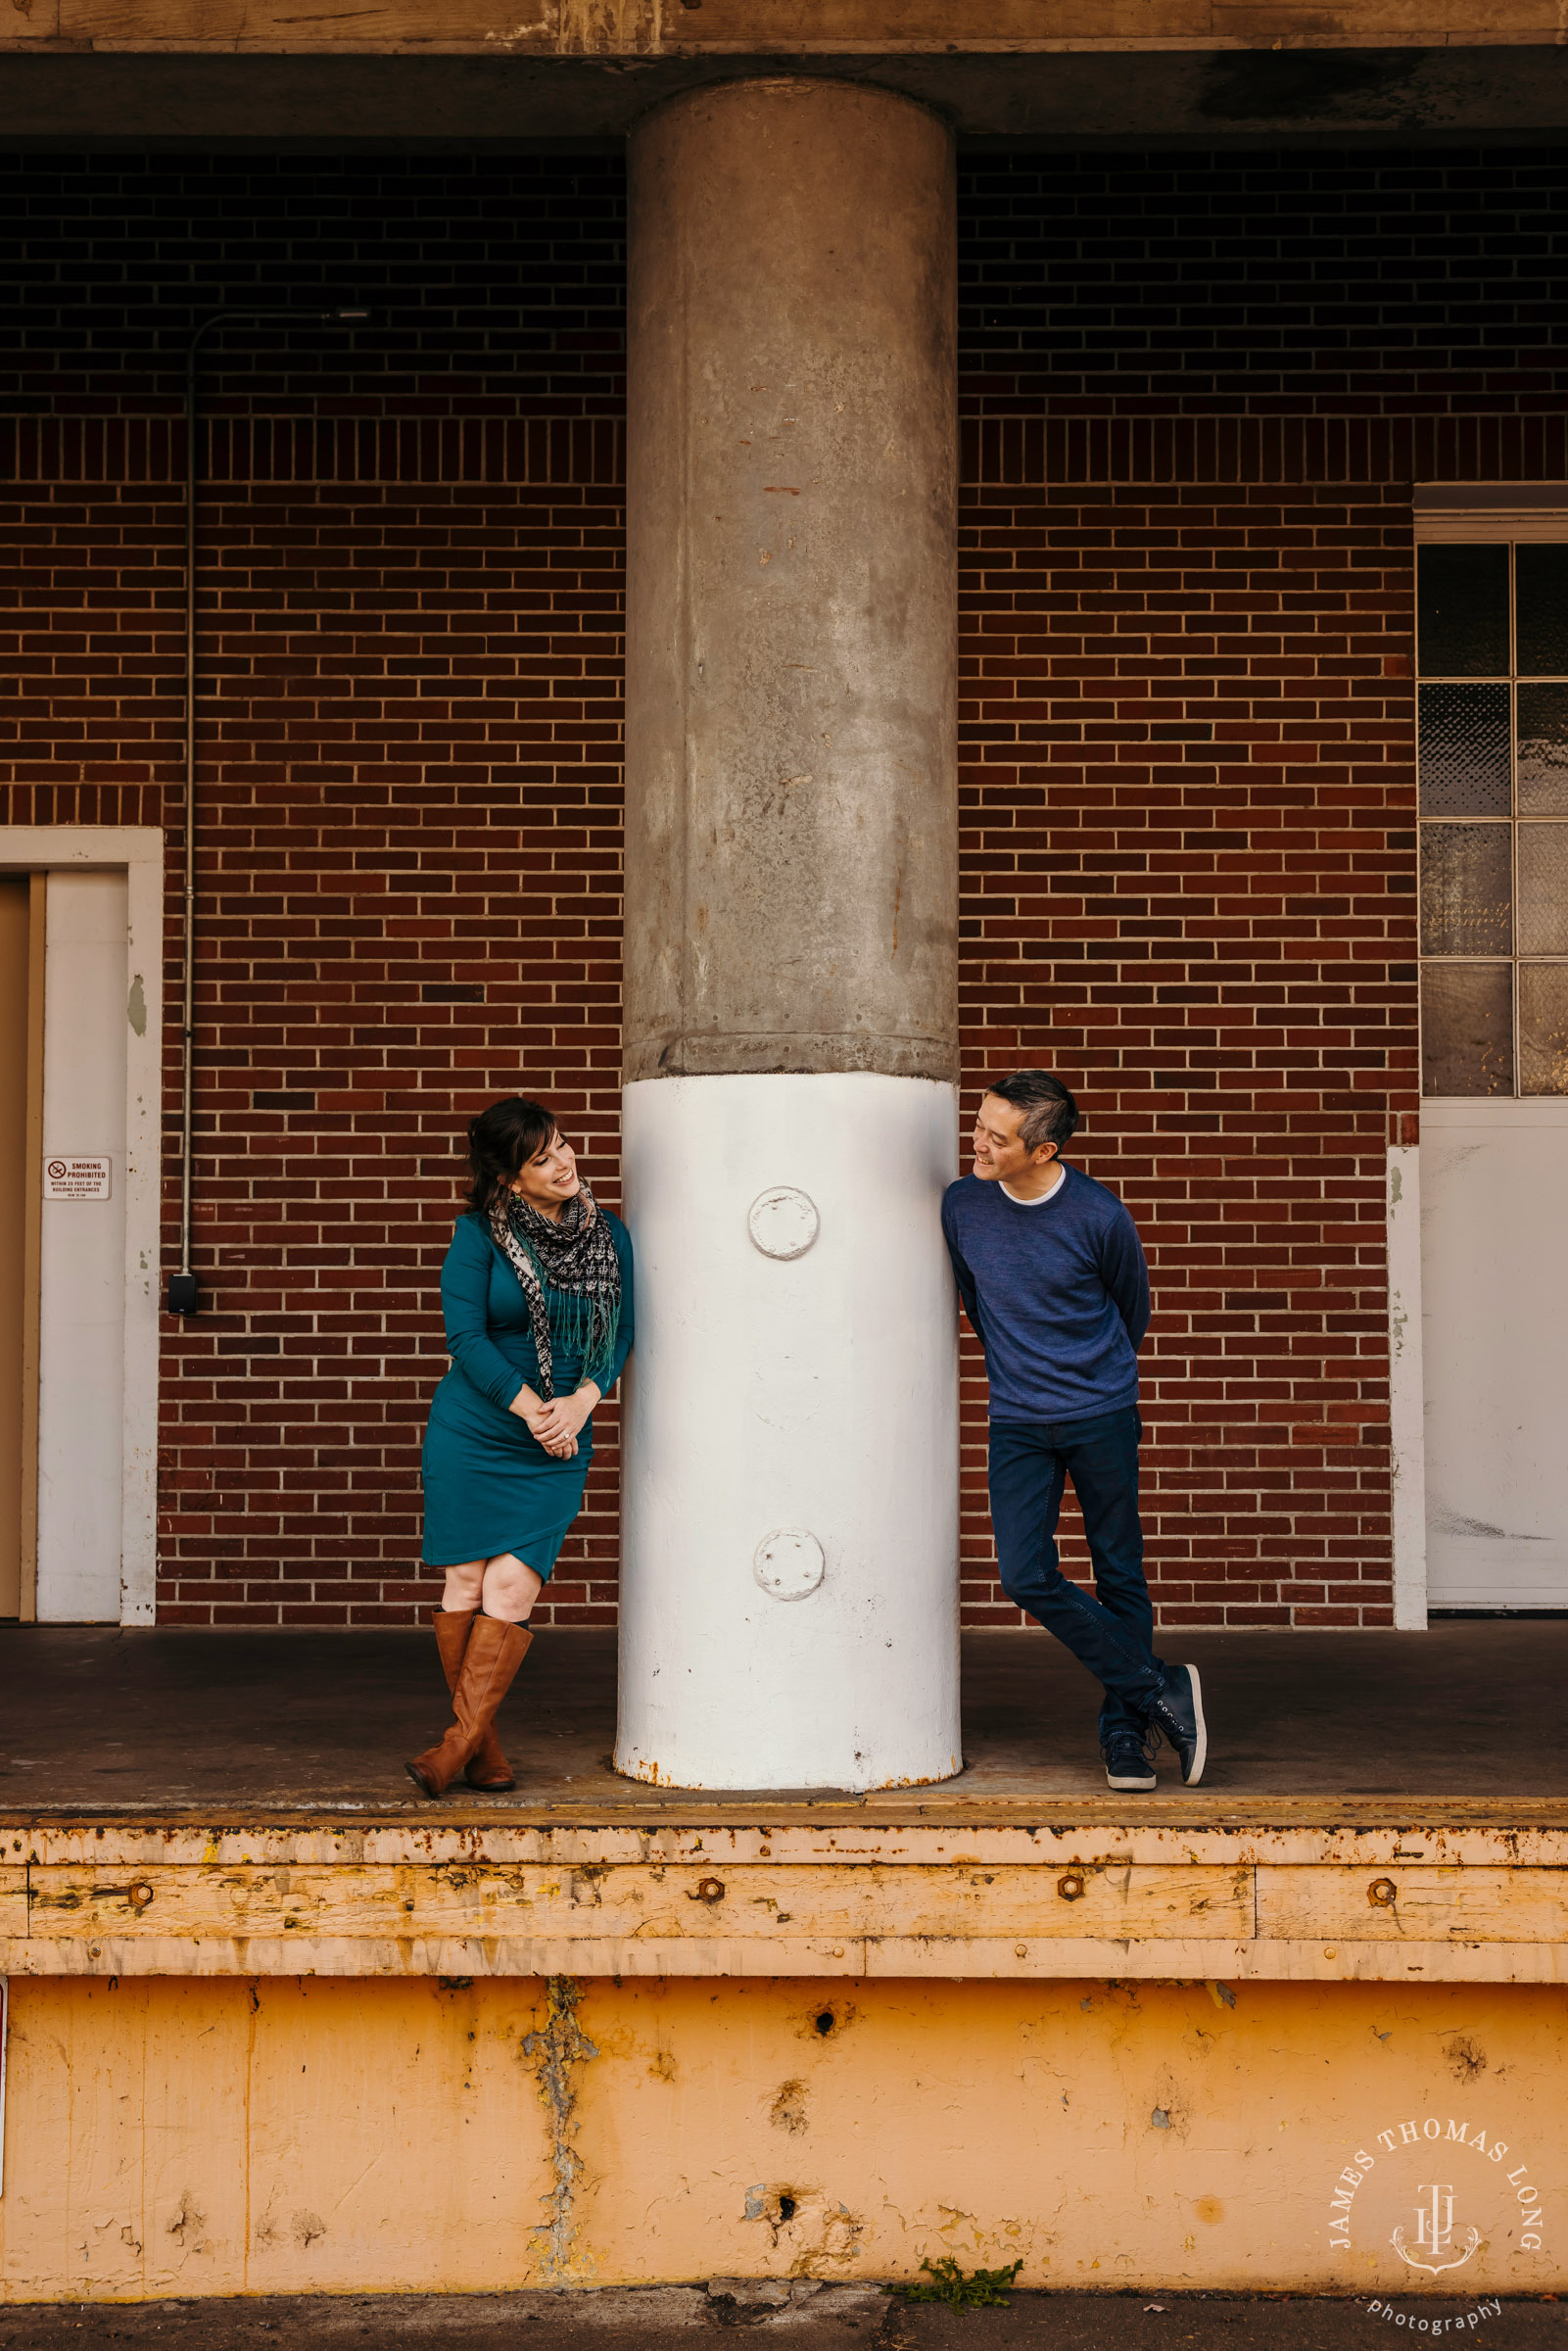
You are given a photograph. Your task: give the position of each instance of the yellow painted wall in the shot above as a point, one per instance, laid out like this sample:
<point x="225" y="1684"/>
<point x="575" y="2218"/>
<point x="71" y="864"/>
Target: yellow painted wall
<point x="212" y="2135"/>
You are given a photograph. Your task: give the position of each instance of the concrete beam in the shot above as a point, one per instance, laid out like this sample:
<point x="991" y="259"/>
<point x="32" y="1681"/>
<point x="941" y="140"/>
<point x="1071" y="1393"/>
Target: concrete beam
<point x="136" y="91"/>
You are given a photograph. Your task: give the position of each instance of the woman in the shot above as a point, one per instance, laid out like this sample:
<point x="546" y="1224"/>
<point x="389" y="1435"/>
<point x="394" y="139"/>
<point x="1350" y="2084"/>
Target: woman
<point x="536" y="1294"/>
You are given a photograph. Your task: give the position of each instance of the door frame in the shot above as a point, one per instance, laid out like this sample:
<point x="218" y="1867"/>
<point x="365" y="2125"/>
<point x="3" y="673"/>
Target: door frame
<point x="136" y="850"/>
<point x="1406" y="1389"/>
<point x="1442" y="511"/>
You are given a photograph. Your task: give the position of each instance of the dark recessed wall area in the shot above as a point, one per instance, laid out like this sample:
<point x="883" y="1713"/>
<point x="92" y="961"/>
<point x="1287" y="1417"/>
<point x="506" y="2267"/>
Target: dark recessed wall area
<point x="1196" y="391"/>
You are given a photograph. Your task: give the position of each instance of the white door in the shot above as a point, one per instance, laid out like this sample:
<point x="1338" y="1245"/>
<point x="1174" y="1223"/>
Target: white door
<point x="83" y="1257"/>
<point x="1495" y="1309"/>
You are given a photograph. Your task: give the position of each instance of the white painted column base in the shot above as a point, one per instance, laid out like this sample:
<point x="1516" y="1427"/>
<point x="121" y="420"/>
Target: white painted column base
<point x="789" y="1512"/>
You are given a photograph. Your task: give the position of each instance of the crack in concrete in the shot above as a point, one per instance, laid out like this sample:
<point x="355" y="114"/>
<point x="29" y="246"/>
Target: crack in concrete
<point x="561" y="2048"/>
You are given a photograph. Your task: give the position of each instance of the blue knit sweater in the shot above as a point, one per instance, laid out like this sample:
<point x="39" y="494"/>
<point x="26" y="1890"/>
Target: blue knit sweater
<point x="1056" y="1290"/>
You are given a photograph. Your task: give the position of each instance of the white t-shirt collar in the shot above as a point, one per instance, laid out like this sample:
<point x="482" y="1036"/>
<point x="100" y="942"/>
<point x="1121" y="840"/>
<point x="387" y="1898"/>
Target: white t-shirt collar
<point x="1040" y="1198"/>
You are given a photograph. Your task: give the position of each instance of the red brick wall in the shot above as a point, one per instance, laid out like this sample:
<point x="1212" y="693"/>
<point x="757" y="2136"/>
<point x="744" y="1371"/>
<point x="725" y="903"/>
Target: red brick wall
<point x="1197" y="390"/>
<point x="1188" y="862"/>
<point x="409" y="854"/>
<point x="1363" y="287"/>
<point x="410" y="777"/>
<point x="1187" y="797"/>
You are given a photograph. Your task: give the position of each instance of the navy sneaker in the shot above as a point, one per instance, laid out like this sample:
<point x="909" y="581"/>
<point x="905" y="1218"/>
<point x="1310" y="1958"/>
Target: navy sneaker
<point x="1129" y="1759"/>
<point x="1178" y="1711"/>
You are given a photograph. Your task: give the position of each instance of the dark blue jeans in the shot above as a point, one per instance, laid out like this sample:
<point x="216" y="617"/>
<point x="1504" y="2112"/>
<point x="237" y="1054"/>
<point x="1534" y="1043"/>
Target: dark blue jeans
<point x="1113" y="1634"/>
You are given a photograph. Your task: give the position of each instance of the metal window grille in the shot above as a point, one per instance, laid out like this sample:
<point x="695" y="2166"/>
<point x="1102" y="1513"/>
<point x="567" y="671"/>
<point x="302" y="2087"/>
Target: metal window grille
<point x="1492" y="731"/>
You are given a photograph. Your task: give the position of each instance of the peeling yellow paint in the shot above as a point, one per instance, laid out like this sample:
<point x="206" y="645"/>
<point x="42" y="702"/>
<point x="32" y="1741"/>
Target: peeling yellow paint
<point x="303" y="2135"/>
<point x="1447" y="1902"/>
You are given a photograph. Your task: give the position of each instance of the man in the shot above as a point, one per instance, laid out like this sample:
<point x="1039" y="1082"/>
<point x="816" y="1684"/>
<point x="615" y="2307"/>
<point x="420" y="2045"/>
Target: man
<point x="1053" y="1279"/>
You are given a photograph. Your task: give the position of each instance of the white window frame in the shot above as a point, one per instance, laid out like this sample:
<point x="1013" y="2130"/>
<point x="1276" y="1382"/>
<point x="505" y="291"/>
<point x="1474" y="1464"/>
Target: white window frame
<point x="1500" y="518"/>
<point x="1442" y="510"/>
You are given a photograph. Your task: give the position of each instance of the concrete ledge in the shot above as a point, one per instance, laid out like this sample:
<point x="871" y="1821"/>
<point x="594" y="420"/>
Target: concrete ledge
<point x="1430" y="1905"/>
<point x="1356" y="1825"/>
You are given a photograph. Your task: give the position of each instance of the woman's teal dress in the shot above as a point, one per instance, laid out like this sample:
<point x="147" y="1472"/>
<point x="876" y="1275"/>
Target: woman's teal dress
<point x="489" y="1485"/>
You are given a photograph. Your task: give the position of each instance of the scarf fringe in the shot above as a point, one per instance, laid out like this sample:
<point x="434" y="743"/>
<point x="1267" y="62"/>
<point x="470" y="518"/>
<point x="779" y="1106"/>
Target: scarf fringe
<point x="585" y="1276"/>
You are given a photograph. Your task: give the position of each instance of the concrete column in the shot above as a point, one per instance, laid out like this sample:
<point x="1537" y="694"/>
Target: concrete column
<point x="790" y="1528"/>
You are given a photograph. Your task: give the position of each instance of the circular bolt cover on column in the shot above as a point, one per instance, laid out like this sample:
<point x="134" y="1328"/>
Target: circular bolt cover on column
<point x="790" y="1563"/>
<point x="783" y="1223"/>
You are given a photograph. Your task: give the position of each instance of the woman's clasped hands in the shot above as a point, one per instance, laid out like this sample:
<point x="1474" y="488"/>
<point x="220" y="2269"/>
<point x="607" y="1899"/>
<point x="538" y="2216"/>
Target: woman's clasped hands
<point x="555" y="1425"/>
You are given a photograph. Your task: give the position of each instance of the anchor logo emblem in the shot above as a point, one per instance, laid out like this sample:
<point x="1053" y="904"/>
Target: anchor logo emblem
<point x="1434" y="2233"/>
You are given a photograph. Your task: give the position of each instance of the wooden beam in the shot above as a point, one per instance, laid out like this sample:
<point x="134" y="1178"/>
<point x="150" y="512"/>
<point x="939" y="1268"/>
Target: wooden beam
<point x="644" y="28"/>
<point x="1387" y="1905"/>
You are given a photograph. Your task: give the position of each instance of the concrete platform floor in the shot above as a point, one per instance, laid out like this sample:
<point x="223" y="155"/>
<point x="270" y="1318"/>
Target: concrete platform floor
<point x="1459" y="1722"/>
<point x="852" y="2319"/>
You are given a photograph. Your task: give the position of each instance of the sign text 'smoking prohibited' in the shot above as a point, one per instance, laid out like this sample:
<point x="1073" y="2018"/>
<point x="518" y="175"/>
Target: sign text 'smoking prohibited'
<point x="68" y="1175"/>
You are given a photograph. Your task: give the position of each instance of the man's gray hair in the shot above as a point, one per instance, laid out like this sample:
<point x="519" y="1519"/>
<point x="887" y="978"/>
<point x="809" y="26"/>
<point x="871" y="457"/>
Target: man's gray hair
<point x="1050" y="1114"/>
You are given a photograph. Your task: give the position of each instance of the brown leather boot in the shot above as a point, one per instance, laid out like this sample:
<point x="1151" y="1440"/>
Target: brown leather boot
<point x="493" y="1655"/>
<point x="489" y="1770"/>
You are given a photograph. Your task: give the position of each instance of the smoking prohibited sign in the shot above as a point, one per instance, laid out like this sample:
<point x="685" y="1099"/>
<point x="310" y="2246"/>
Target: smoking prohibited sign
<point x="70" y="1179"/>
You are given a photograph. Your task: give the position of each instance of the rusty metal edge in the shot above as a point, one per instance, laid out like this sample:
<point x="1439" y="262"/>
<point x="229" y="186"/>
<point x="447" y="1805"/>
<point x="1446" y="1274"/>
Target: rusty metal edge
<point x="1405" y="1814"/>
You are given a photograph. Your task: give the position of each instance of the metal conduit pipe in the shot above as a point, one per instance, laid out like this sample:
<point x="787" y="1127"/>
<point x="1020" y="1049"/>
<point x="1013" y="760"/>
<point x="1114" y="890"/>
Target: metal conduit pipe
<point x="184" y="1297"/>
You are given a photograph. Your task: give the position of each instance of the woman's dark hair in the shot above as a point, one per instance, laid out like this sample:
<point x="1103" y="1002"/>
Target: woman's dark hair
<point x="501" y="1142"/>
<point x="1050" y="1114"/>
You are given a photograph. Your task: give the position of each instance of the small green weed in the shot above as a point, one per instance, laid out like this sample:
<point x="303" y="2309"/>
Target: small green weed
<point x="979" y="2290"/>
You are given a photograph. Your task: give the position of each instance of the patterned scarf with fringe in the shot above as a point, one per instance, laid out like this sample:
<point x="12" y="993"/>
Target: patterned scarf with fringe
<point x="576" y="1261"/>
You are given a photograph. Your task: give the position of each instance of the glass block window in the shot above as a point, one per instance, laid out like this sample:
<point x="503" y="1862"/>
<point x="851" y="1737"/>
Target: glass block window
<point x="1492" y="751"/>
